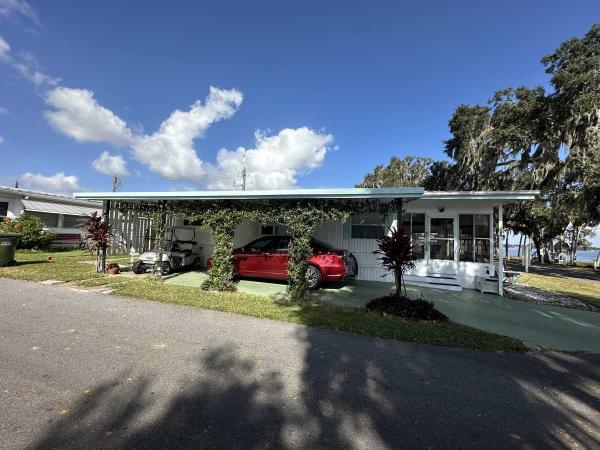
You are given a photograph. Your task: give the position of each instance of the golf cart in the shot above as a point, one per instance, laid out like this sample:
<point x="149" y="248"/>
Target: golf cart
<point x="180" y="251"/>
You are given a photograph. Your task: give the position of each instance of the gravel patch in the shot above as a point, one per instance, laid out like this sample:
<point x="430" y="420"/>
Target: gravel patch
<point x="541" y="297"/>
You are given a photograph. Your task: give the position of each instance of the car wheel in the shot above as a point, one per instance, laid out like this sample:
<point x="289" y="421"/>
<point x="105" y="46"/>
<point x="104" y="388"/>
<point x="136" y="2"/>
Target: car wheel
<point x="313" y="277"/>
<point x="165" y="268"/>
<point x="138" y="267"/>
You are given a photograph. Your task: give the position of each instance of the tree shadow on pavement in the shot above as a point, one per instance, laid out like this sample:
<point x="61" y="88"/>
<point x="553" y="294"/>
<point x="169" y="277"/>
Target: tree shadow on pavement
<point x="348" y="391"/>
<point x="227" y="406"/>
<point x="382" y="394"/>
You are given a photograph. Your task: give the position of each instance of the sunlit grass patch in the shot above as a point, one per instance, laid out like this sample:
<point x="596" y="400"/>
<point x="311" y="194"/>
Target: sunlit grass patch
<point x="585" y="290"/>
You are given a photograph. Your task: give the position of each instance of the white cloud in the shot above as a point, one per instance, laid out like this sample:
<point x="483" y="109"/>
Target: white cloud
<point x="58" y="183"/>
<point x="26" y="66"/>
<point x="32" y="74"/>
<point x="12" y="8"/>
<point x="111" y="165"/>
<point x="1" y="139"/>
<point x="4" y="49"/>
<point x="275" y="162"/>
<point x="78" y="115"/>
<point x="3" y="110"/>
<point x="170" y="151"/>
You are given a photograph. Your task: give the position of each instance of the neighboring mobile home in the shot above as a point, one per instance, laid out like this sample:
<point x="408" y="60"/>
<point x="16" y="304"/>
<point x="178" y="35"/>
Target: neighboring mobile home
<point x="60" y="214"/>
<point x="452" y="232"/>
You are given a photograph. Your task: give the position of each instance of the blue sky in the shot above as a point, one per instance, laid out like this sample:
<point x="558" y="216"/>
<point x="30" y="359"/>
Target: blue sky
<point x="308" y="94"/>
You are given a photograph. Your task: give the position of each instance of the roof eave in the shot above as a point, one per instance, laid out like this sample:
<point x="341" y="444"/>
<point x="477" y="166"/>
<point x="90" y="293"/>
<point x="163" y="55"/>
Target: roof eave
<point x="499" y="196"/>
<point x="351" y="193"/>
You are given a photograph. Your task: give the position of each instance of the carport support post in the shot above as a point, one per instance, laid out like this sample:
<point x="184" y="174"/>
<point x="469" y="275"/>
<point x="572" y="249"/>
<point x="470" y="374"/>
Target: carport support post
<point x="500" y="252"/>
<point x="526" y="253"/>
<point x="105" y="211"/>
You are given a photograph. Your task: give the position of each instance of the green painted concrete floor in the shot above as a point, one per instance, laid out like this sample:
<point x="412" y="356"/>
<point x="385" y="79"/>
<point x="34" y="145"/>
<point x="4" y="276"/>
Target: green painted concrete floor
<point x="548" y="326"/>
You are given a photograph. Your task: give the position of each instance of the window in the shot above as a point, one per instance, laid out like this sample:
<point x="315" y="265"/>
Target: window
<point x="267" y="229"/>
<point x="368" y="226"/>
<point x="283" y="245"/>
<point x="270" y="229"/>
<point x="441" y="243"/>
<point x="414" y="224"/>
<point x="74" y="221"/>
<point x="3" y="210"/>
<point x="474" y="237"/>
<point x="466" y="227"/>
<point x="260" y="245"/>
<point x="48" y="219"/>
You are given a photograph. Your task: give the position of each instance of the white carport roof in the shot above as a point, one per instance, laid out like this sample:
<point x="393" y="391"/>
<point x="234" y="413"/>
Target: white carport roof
<point x="342" y="193"/>
<point x="58" y="208"/>
<point x="501" y="196"/>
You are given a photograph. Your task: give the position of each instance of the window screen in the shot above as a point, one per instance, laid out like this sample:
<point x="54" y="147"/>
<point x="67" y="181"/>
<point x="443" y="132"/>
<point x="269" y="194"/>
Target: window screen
<point x="414" y="224"/>
<point x="74" y="221"/>
<point x="441" y="243"/>
<point x="368" y="226"/>
<point x="48" y="219"/>
<point x="474" y="237"/>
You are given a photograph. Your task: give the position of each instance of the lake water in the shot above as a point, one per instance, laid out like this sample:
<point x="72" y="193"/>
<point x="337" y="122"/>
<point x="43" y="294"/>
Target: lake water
<point x="582" y="255"/>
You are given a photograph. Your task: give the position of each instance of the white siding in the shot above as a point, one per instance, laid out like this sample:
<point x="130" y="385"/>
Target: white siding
<point x="369" y="267"/>
<point x="15" y="206"/>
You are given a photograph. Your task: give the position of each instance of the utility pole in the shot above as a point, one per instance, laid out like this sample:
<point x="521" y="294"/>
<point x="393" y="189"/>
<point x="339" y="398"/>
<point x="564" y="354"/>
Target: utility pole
<point x="17" y="184"/>
<point x="243" y="184"/>
<point x="116" y="183"/>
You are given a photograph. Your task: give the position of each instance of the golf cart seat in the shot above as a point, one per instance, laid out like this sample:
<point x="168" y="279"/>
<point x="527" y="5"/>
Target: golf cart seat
<point x="185" y="247"/>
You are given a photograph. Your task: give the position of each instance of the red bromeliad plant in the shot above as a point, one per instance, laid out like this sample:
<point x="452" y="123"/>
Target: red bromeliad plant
<point x="99" y="234"/>
<point x="396" y="254"/>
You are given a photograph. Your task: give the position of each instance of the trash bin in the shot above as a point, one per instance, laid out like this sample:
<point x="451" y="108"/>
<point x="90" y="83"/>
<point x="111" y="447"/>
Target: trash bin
<point x="8" y="246"/>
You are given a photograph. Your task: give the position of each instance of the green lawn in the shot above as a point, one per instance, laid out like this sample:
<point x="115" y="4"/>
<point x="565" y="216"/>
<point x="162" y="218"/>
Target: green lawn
<point x="584" y="290"/>
<point x="71" y="267"/>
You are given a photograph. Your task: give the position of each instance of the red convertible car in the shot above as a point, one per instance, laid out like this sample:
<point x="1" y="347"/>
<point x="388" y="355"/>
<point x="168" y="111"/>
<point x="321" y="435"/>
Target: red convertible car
<point x="267" y="257"/>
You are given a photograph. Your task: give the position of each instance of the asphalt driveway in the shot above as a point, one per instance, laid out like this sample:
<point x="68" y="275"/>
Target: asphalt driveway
<point x="86" y="370"/>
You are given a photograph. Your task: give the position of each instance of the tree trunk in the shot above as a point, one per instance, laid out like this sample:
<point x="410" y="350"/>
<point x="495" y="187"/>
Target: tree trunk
<point x="506" y="245"/>
<point x="398" y="280"/>
<point x="538" y="249"/>
<point x="520" y="243"/>
<point x="574" y="242"/>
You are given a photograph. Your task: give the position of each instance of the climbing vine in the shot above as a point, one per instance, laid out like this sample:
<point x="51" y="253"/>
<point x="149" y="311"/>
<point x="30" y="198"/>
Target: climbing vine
<point x="159" y="226"/>
<point x="301" y="217"/>
<point x="221" y="219"/>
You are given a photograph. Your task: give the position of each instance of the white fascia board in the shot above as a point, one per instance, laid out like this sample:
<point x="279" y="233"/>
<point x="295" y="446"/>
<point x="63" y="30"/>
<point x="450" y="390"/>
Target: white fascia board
<point x="349" y="193"/>
<point x="500" y="196"/>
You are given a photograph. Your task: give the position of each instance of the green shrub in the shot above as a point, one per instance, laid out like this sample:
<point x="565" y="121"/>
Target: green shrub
<point x="31" y="229"/>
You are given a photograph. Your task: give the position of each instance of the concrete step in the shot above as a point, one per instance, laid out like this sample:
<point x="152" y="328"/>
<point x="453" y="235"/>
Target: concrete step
<point x="434" y="281"/>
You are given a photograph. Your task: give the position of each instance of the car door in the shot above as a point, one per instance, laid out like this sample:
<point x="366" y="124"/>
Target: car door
<point x="253" y="260"/>
<point x="279" y="260"/>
